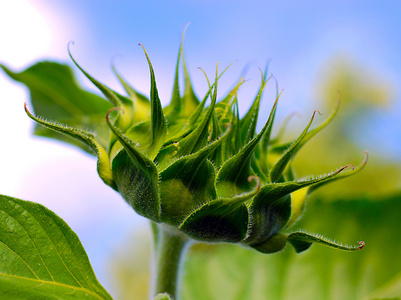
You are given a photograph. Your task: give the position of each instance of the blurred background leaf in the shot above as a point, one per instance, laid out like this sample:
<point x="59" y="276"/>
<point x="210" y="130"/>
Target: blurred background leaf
<point x="57" y="96"/>
<point x="235" y="273"/>
<point x="366" y="98"/>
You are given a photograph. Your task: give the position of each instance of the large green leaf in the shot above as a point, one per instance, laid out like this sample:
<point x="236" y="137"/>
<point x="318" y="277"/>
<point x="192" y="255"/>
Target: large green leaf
<point x="41" y="257"/>
<point x="233" y="273"/>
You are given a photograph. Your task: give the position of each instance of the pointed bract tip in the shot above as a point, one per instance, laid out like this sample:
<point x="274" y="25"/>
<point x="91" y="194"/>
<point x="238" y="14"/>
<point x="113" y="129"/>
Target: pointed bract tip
<point x="144" y="50"/>
<point x="27" y="110"/>
<point x="361" y="245"/>
<point x="186" y="27"/>
<point x="261" y="73"/>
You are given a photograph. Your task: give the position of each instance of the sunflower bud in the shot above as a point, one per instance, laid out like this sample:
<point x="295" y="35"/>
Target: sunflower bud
<point x="203" y="171"/>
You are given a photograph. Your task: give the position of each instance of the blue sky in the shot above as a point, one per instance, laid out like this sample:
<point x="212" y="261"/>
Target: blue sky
<point x="300" y="38"/>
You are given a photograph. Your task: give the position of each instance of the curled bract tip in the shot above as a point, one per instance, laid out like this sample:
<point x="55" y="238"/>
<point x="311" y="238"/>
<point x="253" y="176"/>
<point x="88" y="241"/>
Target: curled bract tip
<point x="317" y="111"/>
<point x="256" y="178"/>
<point x="361" y="245"/>
<point x="111" y="110"/>
<point x="69" y="45"/>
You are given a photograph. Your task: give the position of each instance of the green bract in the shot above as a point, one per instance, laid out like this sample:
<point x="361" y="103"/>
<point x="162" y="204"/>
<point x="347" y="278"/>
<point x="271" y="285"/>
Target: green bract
<point x="203" y="171"/>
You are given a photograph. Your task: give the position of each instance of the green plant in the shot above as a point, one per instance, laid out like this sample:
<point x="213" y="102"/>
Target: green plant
<point x="197" y="173"/>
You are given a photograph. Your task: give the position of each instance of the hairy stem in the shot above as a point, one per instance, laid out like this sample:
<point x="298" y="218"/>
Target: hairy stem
<point x="169" y="250"/>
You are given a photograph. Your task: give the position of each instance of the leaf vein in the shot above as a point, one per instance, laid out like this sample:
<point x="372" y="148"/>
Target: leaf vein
<point x="33" y="272"/>
<point x="32" y="240"/>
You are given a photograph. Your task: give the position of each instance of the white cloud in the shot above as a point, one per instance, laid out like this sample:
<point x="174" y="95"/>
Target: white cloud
<point x="25" y="33"/>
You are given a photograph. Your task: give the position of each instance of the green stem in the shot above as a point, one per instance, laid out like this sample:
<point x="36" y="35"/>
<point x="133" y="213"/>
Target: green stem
<point x="169" y="250"/>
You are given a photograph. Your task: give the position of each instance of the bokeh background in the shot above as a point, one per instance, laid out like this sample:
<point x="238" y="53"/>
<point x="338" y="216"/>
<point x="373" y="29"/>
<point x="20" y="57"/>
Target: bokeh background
<point x="315" y="49"/>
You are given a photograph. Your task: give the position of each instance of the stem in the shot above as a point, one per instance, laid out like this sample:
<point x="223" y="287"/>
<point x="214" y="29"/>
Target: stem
<point x="169" y="250"/>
